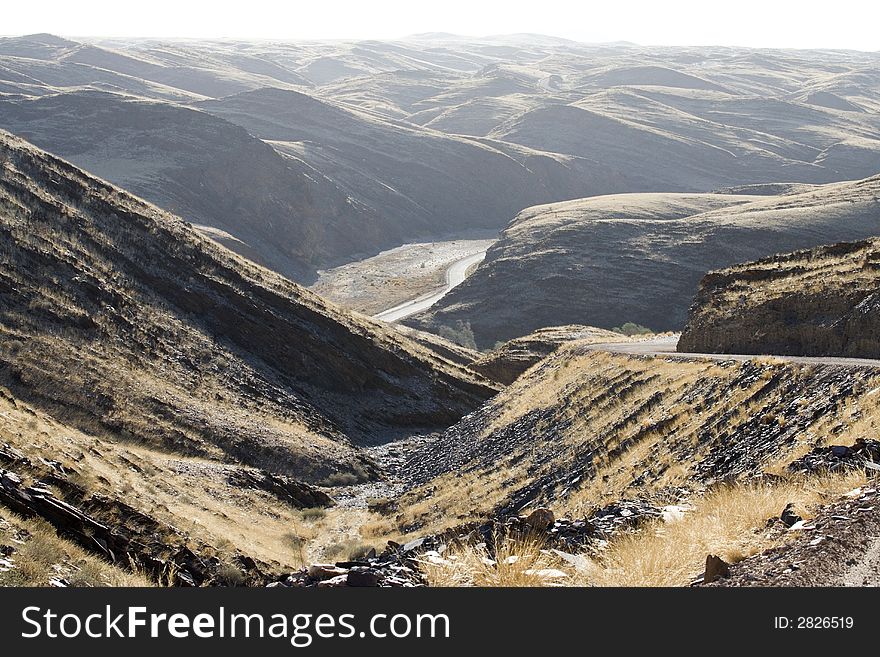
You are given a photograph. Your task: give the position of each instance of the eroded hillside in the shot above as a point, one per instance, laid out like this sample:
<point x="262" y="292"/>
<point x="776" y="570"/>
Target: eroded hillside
<point x="120" y="318"/>
<point x="270" y="208"/>
<point x="818" y="302"/>
<point x="583" y="428"/>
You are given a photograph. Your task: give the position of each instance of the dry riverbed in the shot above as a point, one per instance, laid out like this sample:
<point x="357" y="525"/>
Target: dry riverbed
<point x="394" y="276"/>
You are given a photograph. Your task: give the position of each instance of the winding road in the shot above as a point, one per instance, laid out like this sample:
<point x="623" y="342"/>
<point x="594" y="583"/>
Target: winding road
<point x="455" y="274"/>
<point x="665" y="346"/>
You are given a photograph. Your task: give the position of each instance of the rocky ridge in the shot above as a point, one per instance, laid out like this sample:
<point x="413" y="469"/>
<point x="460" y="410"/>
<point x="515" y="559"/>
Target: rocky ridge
<point x="818" y="302"/>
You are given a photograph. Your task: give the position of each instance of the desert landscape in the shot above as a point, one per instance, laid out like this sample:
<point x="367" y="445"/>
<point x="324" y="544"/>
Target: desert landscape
<point x="437" y="311"/>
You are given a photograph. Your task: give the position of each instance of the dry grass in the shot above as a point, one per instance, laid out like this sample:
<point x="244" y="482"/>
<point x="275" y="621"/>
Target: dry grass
<point x="42" y="556"/>
<point x="730" y="521"/>
<point x="517" y="562"/>
<point x="641" y="424"/>
<point x="189" y="493"/>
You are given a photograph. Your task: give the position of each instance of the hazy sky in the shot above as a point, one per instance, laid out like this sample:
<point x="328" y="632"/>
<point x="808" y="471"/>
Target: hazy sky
<point x="766" y="23"/>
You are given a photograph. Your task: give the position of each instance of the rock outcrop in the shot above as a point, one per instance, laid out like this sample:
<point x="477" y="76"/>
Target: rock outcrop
<point x="819" y="302"/>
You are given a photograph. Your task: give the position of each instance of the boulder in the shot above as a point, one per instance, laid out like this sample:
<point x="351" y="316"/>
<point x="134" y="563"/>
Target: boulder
<point x="362" y="577"/>
<point x="788" y="516"/>
<point x="322" y="571"/>
<point x="716" y="568"/>
<point x="540" y="519"/>
<point x="334" y="582"/>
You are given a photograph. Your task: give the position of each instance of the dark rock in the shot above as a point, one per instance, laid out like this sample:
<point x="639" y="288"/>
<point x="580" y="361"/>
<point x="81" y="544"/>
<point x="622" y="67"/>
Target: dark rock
<point x="362" y="577"/>
<point x="716" y="568"/>
<point x="298" y="494"/>
<point x="540" y="519"/>
<point x="132" y="537"/>
<point x="354" y="563"/>
<point x="788" y="516"/>
<point x="861" y="454"/>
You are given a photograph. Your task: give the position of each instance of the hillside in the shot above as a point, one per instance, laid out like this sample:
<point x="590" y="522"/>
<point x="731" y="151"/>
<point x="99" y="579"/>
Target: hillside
<point x="584" y="429"/>
<point x="818" y="302"/>
<point x="169" y="399"/>
<point x="507" y="361"/>
<point x="375" y="143"/>
<point x="604" y="261"/>
<point x="415" y="181"/>
<point x="122" y="317"/>
<point x="267" y="207"/>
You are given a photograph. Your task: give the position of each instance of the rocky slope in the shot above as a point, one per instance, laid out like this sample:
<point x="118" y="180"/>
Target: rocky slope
<point x="605" y="261"/>
<point x="121" y="318"/>
<point x="818" y="302"/>
<point x="163" y="402"/>
<point x="837" y="548"/>
<point x="584" y="428"/>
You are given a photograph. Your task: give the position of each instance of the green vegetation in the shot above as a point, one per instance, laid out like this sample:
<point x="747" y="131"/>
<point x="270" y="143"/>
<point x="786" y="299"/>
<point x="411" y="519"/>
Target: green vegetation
<point x="461" y="335"/>
<point x="631" y="328"/>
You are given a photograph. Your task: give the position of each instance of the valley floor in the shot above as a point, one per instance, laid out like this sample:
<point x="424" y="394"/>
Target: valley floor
<point x="395" y="276"/>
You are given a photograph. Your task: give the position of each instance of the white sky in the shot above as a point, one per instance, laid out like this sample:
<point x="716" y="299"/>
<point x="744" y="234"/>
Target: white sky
<point x="762" y="23"/>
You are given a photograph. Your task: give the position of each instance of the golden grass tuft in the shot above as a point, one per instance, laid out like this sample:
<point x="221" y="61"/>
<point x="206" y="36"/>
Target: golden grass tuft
<point x="44" y="556"/>
<point x="518" y="562"/>
<point x="730" y="521"/>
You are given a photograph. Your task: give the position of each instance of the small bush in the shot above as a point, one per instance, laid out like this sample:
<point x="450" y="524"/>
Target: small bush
<point x="382" y="505"/>
<point x="349" y="550"/>
<point x="312" y="514"/>
<point x="631" y="328"/>
<point x="341" y="479"/>
<point x="461" y="335"/>
<point x="230" y="575"/>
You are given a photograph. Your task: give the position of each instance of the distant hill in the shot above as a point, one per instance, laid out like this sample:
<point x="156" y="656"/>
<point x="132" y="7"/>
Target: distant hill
<point x="605" y="261"/>
<point x="414" y="181"/>
<point x="279" y="211"/>
<point x="378" y="143"/>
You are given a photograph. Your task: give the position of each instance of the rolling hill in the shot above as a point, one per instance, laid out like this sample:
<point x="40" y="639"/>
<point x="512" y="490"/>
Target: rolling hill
<point x="375" y="143"/>
<point x="604" y="261"/>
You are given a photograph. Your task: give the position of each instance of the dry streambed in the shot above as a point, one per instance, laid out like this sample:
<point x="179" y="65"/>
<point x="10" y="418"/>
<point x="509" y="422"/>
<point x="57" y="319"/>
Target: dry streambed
<point x="395" y="276"/>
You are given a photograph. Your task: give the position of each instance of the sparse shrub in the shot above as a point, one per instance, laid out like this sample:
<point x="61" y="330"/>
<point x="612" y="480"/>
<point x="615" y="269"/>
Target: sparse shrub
<point x="382" y="505"/>
<point x="348" y="550"/>
<point x="515" y="561"/>
<point x="297" y="546"/>
<point x="631" y="328"/>
<point x="341" y="479"/>
<point x="461" y="335"/>
<point x="294" y="540"/>
<point x="230" y="575"/>
<point x="312" y="514"/>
